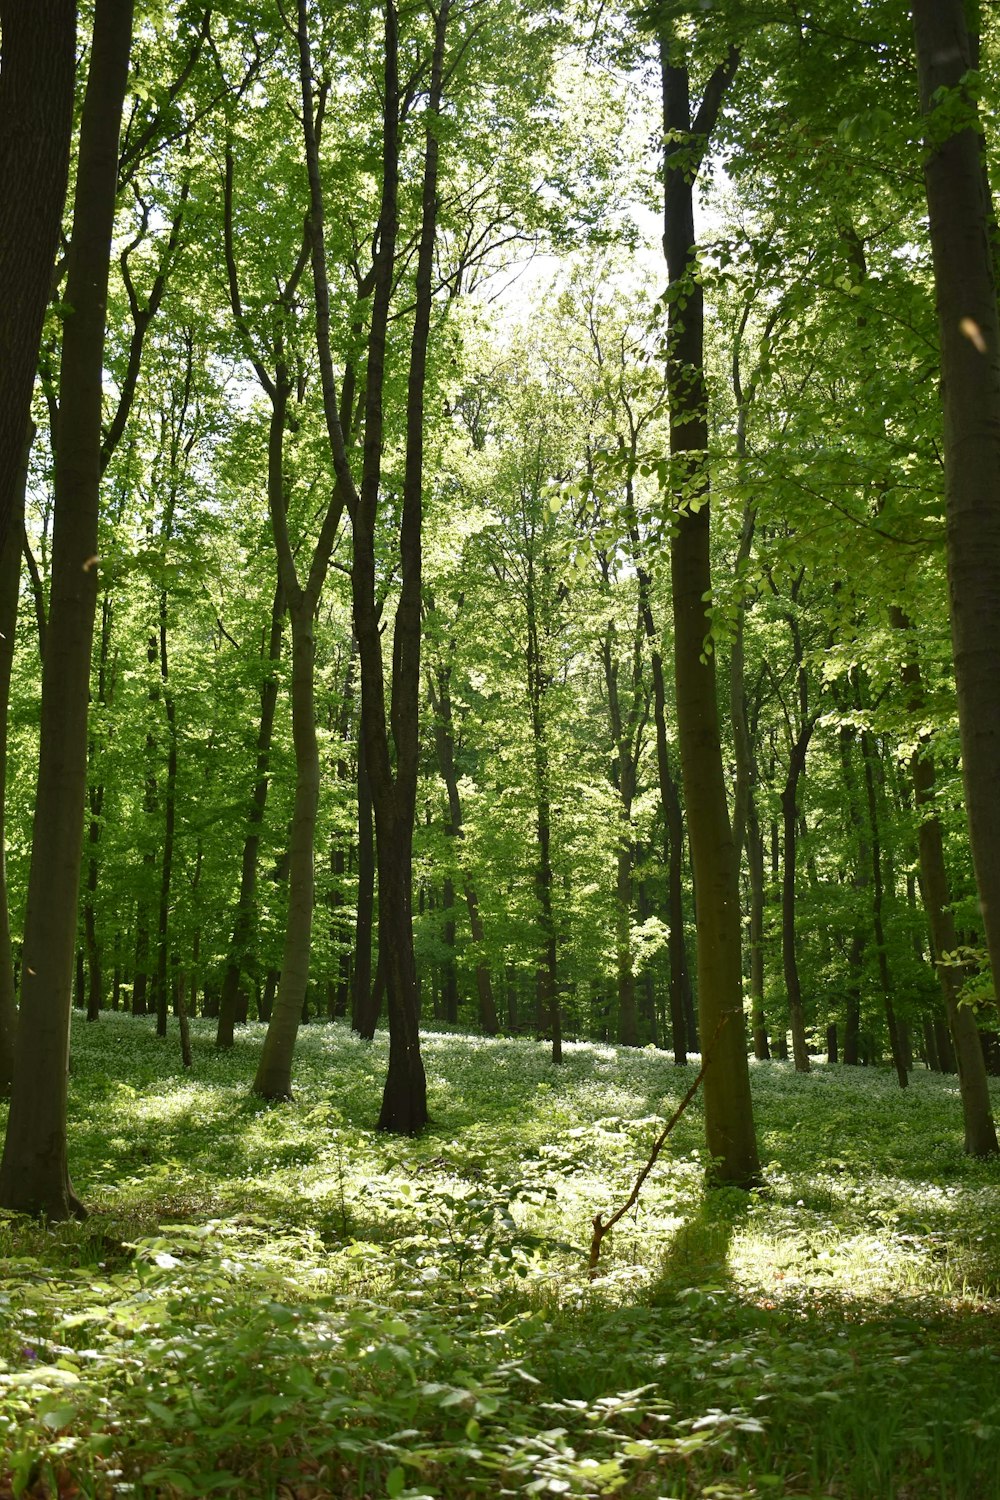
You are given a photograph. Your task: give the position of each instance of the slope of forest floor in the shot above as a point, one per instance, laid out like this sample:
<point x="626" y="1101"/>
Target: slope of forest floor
<point x="278" y="1301"/>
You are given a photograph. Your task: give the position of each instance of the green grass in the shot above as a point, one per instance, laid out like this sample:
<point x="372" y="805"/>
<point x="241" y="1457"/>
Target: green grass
<point x="278" y="1301"/>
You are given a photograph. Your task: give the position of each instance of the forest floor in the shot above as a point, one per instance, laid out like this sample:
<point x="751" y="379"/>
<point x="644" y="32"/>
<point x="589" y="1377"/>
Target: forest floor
<point x="278" y="1301"/>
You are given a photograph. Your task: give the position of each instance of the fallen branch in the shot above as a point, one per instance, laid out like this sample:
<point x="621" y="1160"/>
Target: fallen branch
<point x="601" y="1228"/>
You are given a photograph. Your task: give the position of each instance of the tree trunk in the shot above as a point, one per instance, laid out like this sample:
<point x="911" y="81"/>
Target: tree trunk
<point x="673" y="827"/>
<point x="969" y="330"/>
<point x="796" y="1017"/>
<point x="547" y="1017"/>
<point x="274" y="1071"/>
<point x="977" y="1113"/>
<point x="755" y="867"/>
<point x="728" y="1109"/>
<point x="243" y="922"/>
<point x="364" y="1017"/>
<point x="10" y="580"/>
<point x="163" y="977"/>
<point x="34" y="1175"/>
<point x="896" y="1045"/>
<point x="393" y="779"/>
<point x="37" y="80"/>
<point x="444" y="739"/>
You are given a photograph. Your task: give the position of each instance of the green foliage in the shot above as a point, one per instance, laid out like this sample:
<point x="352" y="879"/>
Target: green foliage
<point x="274" y="1300"/>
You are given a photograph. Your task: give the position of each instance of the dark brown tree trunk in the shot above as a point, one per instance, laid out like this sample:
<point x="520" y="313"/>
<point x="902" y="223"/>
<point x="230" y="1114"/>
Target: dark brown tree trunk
<point x="243" y="923"/>
<point x="34" y="1174"/>
<point x="37" y="78"/>
<point x="969" y="330"/>
<point x="728" y="1109"/>
<point x="394" y="785"/>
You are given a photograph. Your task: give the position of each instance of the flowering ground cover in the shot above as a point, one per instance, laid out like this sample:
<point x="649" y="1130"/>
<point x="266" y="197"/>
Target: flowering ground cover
<point x="279" y="1301"/>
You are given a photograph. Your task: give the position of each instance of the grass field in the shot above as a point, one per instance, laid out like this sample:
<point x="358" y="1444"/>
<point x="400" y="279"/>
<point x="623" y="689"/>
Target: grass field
<point x="278" y="1301"/>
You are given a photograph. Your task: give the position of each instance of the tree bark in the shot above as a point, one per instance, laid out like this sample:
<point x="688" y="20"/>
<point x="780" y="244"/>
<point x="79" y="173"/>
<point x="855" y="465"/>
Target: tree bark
<point x="10" y="580"/>
<point x="243" y="922"/>
<point x="977" y="1112"/>
<point x="547" y="1013"/>
<point x="969" y="330"/>
<point x="364" y="1016"/>
<point x="444" y="739"/>
<point x="728" y="1107"/>
<point x="793" y="987"/>
<point x="37" y="79"/>
<point x="896" y="1041"/>
<point x="34" y="1174"/>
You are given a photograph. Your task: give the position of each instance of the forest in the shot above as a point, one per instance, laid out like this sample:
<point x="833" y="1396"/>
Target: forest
<point x="499" y="749"/>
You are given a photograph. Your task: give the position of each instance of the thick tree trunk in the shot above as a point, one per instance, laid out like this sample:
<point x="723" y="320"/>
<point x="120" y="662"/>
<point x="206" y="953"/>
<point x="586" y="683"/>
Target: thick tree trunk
<point x="728" y="1109"/>
<point x="34" y="1175"/>
<point x="969" y="329"/>
<point x="243" y="922"/>
<point x="37" y="78"/>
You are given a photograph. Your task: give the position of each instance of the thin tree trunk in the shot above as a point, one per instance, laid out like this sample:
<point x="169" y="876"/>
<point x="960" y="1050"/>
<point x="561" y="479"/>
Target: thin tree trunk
<point x="10" y="579"/>
<point x="243" y="923"/>
<point x="728" y="1109"/>
<point x="444" y="739"/>
<point x="793" y="987"/>
<point x="393" y="780"/>
<point x="546" y="973"/>
<point x="977" y="1112"/>
<point x="364" y="1017"/>
<point x="755" y="867"/>
<point x="163" y="978"/>
<point x="673" y="827"/>
<point x="896" y="1044"/>
<point x="34" y="1174"/>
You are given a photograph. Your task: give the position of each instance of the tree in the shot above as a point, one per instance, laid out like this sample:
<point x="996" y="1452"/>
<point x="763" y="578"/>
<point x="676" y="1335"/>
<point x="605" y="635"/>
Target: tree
<point x="728" y="1109"/>
<point x="961" y="232"/>
<point x="37" y="77"/>
<point x="34" y="1173"/>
